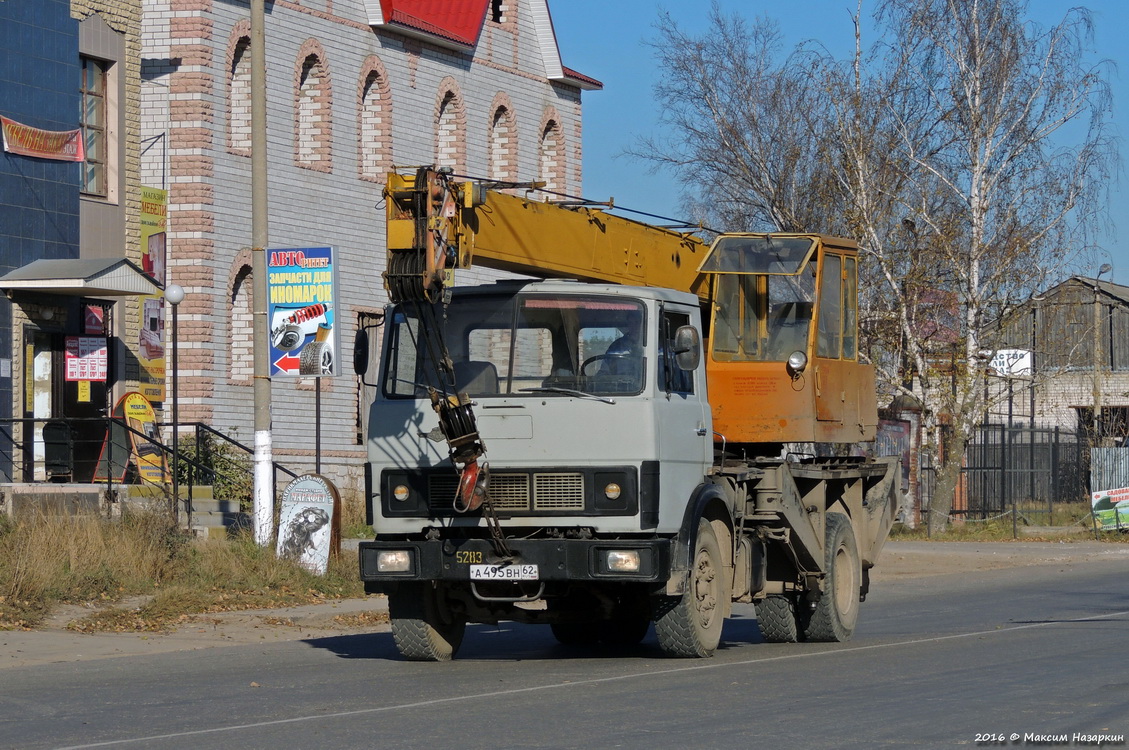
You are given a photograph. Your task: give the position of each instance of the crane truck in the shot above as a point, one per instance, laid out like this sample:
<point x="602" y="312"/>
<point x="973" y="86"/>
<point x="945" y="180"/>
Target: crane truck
<point x="626" y="437"/>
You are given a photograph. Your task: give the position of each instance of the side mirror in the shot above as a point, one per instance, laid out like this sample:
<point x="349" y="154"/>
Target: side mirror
<point x="687" y="348"/>
<point x="360" y="352"/>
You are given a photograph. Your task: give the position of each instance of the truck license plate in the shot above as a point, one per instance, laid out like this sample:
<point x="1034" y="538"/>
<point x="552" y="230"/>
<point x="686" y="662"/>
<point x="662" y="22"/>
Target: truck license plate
<point x="503" y="572"/>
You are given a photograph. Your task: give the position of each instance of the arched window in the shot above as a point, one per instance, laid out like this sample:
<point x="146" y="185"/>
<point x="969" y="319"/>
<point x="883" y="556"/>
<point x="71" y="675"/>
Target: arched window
<point x="551" y="169"/>
<point x="450" y="128"/>
<point x="239" y="99"/>
<point x="374" y="122"/>
<point x="313" y="136"/>
<point x="241" y="341"/>
<point x="503" y="143"/>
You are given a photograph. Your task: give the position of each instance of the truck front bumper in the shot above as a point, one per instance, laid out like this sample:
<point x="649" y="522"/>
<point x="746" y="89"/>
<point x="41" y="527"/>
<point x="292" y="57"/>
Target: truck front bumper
<point x="545" y="560"/>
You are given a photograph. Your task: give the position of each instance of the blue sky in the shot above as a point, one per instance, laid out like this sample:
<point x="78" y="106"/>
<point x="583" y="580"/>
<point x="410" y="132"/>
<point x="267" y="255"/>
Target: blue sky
<point x="605" y="39"/>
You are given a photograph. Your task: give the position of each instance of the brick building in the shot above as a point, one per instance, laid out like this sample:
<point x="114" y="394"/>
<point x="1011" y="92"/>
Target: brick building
<point x="1075" y="340"/>
<point x="70" y="250"/>
<point x="353" y="88"/>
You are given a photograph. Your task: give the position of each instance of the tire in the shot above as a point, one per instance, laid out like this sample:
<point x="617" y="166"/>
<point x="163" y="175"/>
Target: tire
<point x="623" y="631"/>
<point x="316" y="359"/>
<point x="576" y="633"/>
<point x="835" y="614"/>
<point x="776" y="619"/>
<point x="421" y="628"/>
<point x="690" y="626"/>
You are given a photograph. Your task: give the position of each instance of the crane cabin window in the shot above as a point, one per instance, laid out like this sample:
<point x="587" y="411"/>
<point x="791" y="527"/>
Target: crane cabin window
<point x="850" y="308"/>
<point x="829" y="342"/>
<point x="763" y="317"/>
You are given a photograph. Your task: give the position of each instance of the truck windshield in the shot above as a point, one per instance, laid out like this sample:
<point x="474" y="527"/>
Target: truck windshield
<point x="758" y="253"/>
<point x="511" y="343"/>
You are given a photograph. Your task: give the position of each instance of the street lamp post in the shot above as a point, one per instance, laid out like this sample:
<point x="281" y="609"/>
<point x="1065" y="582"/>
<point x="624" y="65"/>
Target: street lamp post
<point x="174" y="294"/>
<point x="1097" y="415"/>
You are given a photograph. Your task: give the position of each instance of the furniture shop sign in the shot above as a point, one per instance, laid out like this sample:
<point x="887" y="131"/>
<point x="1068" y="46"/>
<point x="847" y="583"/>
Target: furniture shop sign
<point x="301" y="310"/>
<point x="59" y="145"/>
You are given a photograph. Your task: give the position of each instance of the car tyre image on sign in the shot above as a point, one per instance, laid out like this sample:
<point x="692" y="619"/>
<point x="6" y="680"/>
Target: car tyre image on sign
<point x="316" y="359"/>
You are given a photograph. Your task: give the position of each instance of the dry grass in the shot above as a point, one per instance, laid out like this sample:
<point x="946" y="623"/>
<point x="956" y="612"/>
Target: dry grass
<point x="47" y="561"/>
<point x="1066" y="522"/>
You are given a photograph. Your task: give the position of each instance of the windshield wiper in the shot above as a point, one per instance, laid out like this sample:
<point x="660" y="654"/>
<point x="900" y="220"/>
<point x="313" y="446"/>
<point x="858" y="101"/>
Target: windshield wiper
<point x="567" y="392"/>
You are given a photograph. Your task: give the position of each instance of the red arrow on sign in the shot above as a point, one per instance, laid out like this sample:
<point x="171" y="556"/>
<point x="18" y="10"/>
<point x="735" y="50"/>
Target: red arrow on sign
<point x="287" y="362"/>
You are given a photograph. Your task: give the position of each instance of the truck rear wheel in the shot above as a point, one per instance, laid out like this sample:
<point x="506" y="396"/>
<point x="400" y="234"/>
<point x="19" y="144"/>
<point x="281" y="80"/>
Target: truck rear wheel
<point x="776" y="618"/>
<point x="623" y="631"/>
<point x="422" y="628"/>
<point x="619" y="631"/>
<point x="835" y="614"/>
<point x="576" y="633"/>
<point x="690" y="626"/>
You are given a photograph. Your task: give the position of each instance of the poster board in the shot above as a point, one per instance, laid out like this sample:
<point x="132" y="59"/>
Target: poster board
<point x="301" y="310"/>
<point x="151" y="307"/>
<point x="121" y="448"/>
<point x="1111" y="508"/>
<point x="309" y="522"/>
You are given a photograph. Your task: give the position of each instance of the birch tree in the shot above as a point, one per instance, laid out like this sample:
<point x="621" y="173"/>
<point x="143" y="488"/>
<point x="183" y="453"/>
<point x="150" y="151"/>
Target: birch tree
<point x="967" y="156"/>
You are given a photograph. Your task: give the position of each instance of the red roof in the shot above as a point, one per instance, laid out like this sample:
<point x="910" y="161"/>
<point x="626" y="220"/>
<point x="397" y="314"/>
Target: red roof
<point x="586" y="81"/>
<point x="457" y="20"/>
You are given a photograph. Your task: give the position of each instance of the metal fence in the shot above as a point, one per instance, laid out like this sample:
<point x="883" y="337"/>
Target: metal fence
<point x="1109" y="468"/>
<point x="1028" y="468"/>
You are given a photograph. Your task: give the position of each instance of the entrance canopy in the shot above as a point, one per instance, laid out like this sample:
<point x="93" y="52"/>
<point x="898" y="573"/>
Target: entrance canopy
<point x="96" y="277"/>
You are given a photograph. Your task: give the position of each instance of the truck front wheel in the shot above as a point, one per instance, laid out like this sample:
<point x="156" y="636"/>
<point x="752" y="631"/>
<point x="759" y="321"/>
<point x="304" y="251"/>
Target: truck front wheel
<point x="690" y="626"/>
<point x="835" y="614"/>
<point x="424" y="629"/>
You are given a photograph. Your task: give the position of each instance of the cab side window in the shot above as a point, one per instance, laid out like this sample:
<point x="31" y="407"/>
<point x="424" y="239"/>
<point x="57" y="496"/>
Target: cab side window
<point x="673" y="379"/>
<point x="830" y="308"/>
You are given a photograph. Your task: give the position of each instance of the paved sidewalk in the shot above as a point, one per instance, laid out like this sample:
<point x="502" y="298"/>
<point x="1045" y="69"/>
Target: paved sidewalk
<point x="216" y="630"/>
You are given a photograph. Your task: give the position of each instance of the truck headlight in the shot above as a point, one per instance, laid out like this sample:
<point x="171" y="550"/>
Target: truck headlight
<point x="394" y="561"/>
<point x="612" y="491"/>
<point x="401" y="492"/>
<point x="623" y="561"/>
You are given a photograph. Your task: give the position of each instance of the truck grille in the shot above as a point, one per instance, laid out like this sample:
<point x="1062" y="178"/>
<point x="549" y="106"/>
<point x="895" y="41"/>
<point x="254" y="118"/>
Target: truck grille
<point x="512" y="493"/>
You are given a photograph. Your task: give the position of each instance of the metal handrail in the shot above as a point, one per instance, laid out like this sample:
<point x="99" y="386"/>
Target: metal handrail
<point x="196" y="469"/>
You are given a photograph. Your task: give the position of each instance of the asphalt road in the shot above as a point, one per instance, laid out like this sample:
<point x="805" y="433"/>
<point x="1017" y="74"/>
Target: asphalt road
<point x="935" y="662"/>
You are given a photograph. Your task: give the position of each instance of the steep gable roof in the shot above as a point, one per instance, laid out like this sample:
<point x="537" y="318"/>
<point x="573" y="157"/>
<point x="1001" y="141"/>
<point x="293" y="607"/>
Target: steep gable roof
<point x="458" y="21"/>
<point x="458" y="24"/>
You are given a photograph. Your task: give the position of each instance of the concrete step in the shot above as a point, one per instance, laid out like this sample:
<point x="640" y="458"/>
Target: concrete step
<point x="211" y="524"/>
<point x="212" y="505"/>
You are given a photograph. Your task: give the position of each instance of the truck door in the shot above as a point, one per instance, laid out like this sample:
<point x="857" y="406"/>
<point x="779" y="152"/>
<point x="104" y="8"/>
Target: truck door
<point x="836" y="351"/>
<point x="685" y="434"/>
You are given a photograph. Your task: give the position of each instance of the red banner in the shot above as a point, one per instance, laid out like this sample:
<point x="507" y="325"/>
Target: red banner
<point x="61" y="145"/>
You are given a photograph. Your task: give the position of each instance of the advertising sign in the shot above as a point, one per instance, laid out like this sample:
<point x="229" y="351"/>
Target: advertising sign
<point x="123" y="447"/>
<point x="1010" y="362"/>
<point x="151" y="342"/>
<point x="301" y="310"/>
<point x="308" y="522"/>
<point x="86" y="358"/>
<point x="59" y="145"/>
<point x="1111" y="508"/>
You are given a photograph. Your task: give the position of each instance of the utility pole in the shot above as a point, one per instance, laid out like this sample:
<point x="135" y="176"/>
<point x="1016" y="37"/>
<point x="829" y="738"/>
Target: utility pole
<point x="264" y="459"/>
<point x="1105" y="268"/>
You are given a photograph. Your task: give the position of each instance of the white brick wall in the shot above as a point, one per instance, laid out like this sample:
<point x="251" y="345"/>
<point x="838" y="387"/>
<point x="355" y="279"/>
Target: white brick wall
<point x="210" y="186"/>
